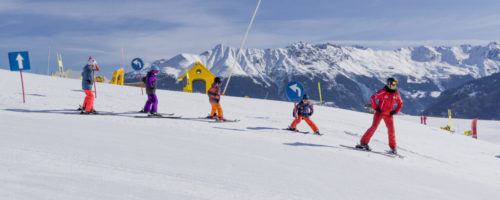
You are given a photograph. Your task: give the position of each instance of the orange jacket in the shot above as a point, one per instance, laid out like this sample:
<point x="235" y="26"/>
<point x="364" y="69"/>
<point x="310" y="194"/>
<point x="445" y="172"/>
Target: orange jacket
<point x="214" y="93"/>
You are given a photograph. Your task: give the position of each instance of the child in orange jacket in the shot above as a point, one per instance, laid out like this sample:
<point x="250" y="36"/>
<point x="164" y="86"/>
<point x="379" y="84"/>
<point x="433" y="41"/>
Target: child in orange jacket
<point x="214" y="98"/>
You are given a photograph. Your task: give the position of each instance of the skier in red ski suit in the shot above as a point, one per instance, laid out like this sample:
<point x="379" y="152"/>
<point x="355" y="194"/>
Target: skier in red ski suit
<point x="386" y="97"/>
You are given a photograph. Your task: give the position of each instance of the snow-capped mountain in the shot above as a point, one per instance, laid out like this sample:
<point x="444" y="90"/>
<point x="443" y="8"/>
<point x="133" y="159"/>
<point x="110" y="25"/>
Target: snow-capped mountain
<point x="475" y="99"/>
<point x="348" y="74"/>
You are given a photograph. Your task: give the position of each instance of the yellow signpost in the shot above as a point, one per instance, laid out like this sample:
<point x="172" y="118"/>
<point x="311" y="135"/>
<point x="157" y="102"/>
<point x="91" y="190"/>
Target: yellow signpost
<point x="319" y="88"/>
<point x="60" y="64"/>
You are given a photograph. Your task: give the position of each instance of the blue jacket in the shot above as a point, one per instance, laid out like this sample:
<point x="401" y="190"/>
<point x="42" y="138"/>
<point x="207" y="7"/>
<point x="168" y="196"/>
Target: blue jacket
<point x="87" y="78"/>
<point x="303" y="110"/>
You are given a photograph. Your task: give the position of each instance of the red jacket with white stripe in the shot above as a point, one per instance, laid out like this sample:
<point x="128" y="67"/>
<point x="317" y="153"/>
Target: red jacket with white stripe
<point x="386" y="100"/>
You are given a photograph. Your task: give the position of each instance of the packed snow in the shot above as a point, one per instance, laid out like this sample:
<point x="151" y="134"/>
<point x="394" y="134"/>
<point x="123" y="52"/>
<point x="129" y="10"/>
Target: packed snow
<point x="48" y="153"/>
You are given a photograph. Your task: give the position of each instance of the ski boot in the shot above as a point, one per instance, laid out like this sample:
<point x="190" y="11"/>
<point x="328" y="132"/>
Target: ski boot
<point x="317" y="133"/>
<point x="220" y="119"/>
<point x="291" y="128"/>
<point x="154" y="114"/>
<point x="211" y="116"/>
<point x="94" y="112"/>
<point x="363" y="146"/>
<point x="80" y="108"/>
<point x="143" y="111"/>
<point x="393" y="151"/>
<point x="83" y="112"/>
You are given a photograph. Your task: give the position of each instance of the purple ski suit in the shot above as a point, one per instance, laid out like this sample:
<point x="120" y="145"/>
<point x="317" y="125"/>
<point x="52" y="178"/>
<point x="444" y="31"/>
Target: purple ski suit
<point x="152" y="103"/>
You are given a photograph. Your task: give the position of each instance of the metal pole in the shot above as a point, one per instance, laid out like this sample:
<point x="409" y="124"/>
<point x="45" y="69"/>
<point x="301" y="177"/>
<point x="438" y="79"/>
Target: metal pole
<point x="241" y="46"/>
<point x="48" y="63"/>
<point x="22" y="83"/>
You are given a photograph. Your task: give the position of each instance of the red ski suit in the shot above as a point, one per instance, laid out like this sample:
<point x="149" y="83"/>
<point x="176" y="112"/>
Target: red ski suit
<point x="386" y="100"/>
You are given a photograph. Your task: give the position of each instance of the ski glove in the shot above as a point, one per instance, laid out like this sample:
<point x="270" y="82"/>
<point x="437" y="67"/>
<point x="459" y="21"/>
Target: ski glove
<point x="392" y="112"/>
<point x="378" y="110"/>
<point x="88" y="81"/>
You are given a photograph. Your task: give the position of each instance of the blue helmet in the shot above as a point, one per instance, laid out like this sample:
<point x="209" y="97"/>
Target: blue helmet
<point x="155" y="67"/>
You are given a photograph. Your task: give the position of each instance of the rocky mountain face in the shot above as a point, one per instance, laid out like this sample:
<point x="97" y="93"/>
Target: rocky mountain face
<point x="348" y="75"/>
<point x="475" y="99"/>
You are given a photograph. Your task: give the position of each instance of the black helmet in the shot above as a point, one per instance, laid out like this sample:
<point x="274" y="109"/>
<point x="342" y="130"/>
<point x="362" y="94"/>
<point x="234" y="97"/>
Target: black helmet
<point x="391" y="81"/>
<point x="305" y="97"/>
<point x="217" y="80"/>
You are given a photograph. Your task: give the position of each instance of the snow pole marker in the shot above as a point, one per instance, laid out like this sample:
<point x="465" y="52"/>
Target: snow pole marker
<point x="319" y="88"/>
<point x="451" y="124"/>
<point x="60" y="64"/>
<point x="48" y="63"/>
<point x="19" y="61"/>
<point x="241" y="46"/>
<point x="295" y="111"/>
<point x="137" y="64"/>
<point x="474" y="128"/>
<point x="22" y="84"/>
<point x="140" y="83"/>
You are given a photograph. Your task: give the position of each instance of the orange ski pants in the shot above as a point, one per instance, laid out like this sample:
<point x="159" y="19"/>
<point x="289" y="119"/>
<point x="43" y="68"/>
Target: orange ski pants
<point x="216" y="109"/>
<point x="88" y="103"/>
<point x="308" y="121"/>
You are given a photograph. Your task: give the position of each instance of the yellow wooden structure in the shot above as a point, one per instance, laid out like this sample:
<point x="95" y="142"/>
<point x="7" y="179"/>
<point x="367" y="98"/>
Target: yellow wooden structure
<point x="197" y="73"/>
<point x="100" y="79"/>
<point x="118" y="77"/>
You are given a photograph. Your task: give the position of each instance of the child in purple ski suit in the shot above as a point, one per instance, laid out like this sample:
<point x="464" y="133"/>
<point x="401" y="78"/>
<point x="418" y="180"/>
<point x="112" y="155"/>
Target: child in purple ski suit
<point x="151" y="106"/>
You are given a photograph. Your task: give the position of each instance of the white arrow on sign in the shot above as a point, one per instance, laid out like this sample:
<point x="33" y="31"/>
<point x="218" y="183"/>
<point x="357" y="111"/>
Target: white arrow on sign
<point x="19" y="59"/>
<point x="297" y="89"/>
<point x="136" y="62"/>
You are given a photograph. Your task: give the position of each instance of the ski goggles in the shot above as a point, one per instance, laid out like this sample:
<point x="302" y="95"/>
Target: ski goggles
<point x="394" y="83"/>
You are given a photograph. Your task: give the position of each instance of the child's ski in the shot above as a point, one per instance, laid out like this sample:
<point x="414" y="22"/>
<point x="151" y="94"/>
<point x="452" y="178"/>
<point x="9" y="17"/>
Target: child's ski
<point x="224" y="121"/>
<point x="147" y="116"/>
<point x="169" y="114"/>
<point x="303" y="132"/>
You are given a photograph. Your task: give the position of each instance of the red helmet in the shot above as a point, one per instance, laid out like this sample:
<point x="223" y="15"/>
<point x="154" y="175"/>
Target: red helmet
<point x="91" y="58"/>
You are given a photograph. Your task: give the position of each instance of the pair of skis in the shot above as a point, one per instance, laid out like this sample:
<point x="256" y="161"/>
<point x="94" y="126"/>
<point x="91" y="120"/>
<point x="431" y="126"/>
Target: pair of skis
<point x="384" y="153"/>
<point x="215" y="120"/>
<point x="303" y="132"/>
<point x="163" y="115"/>
<point x="172" y="116"/>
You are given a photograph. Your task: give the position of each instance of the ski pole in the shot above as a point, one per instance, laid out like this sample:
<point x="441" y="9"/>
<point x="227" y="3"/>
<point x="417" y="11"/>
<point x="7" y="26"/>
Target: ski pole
<point x="95" y="88"/>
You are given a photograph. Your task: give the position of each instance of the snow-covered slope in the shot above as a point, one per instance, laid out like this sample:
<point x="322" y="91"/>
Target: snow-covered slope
<point x="348" y="75"/>
<point x="45" y="154"/>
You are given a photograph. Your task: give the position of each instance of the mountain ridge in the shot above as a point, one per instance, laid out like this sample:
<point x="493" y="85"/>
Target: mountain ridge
<point x="348" y="74"/>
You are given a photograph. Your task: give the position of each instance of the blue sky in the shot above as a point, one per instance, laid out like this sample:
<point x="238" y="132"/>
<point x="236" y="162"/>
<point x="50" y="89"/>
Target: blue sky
<point x="162" y="29"/>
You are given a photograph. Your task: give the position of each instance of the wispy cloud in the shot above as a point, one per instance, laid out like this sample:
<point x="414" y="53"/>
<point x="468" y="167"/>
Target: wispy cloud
<point x="161" y="29"/>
